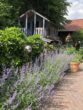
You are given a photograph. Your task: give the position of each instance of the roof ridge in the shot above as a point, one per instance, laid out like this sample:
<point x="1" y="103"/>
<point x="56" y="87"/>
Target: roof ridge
<point x="76" y="19"/>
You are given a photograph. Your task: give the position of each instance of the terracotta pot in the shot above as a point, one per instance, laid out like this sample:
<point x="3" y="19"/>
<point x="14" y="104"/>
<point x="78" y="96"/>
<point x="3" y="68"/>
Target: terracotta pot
<point x="74" y="66"/>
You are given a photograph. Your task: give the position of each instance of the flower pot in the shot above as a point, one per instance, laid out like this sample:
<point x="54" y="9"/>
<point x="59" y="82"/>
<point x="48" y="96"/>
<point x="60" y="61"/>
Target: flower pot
<point x="74" y="66"/>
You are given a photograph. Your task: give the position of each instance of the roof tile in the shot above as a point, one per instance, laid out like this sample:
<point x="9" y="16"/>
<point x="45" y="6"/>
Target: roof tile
<point x="74" y="25"/>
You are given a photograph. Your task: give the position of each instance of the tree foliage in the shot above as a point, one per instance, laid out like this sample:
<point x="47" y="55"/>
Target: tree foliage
<point x="4" y="13"/>
<point x="10" y="10"/>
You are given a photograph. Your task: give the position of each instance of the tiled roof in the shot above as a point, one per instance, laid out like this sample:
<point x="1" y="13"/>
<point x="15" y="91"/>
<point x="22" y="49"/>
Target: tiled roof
<point x="74" y="25"/>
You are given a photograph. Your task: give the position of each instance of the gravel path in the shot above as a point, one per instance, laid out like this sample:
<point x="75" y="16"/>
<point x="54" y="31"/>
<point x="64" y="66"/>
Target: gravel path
<point x="68" y="94"/>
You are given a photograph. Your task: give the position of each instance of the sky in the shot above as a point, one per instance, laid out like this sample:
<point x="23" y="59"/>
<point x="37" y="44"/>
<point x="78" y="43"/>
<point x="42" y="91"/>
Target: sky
<point x="75" y="11"/>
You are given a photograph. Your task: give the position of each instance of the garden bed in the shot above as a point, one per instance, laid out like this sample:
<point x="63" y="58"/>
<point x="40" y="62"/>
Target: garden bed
<point x="29" y="89"/>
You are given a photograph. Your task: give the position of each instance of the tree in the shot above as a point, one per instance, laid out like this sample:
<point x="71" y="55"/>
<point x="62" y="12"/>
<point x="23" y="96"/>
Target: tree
<point x="8" y="14"/>
<point x="52" y="9"/>
<point x="5" y="14"/>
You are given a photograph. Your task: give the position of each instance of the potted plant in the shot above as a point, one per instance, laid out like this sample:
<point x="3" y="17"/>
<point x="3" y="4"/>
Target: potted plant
<point x="74" y="64"/>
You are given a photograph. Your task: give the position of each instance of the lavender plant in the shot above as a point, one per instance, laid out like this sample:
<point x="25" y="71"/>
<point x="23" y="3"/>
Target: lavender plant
<point x="25" y="91"/>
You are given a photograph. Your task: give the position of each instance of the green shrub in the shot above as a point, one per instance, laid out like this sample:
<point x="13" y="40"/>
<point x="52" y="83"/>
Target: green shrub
<point x="81" y="53"/>
<point x="78" y="35"/>
<point x="36" y="43"/>
<point x="50" y="46"/>
<point x="78" y="54"/>
<point x="12" y="42"/>
<point x="12" y="47"/>
<point x="77" y="58"/>
<point x="70" y="50"/>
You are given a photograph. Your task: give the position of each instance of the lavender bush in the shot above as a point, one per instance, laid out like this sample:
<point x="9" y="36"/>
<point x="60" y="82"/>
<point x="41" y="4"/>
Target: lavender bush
<point x="20" y="91"/>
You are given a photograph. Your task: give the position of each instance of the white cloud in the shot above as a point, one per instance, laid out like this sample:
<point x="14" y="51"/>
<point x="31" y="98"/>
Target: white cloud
<point x="75" y="11"/>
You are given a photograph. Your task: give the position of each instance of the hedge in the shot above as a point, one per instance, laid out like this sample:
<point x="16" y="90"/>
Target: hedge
<point x="12" y="47"/>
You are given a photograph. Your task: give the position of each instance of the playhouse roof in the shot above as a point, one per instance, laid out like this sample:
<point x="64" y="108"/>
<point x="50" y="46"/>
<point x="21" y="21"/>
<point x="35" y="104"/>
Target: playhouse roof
<point x="33" y="11"/>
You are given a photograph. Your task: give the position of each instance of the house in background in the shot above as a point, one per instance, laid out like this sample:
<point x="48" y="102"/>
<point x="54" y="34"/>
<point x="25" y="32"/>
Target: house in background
<point x="34" y="23"/>
<point x="70" y="27"/>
